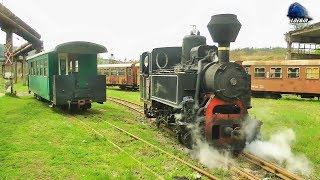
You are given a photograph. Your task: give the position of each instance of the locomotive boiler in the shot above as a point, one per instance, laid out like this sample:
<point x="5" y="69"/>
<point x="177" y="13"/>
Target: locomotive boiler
<point x="195" y="88"/>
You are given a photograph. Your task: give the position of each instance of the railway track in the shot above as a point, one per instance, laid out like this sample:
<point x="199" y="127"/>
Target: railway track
<point x="266" y="165"/>
<point x="88" y="127"/>
<point x="270" y="167"/>
<point x="131" y="105"/>
<point x="137" y="108"/>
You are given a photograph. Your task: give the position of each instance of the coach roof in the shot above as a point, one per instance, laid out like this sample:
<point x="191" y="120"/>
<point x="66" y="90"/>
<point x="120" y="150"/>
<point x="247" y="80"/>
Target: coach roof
<point x="113" y="65"/>
<point x="309" y="62"/>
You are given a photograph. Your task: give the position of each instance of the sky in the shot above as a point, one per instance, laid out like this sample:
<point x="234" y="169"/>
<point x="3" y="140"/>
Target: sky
<point x="129" y="27"/>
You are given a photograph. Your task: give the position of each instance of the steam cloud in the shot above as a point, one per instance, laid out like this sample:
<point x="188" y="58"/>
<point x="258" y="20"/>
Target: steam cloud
<point x="206" y="154"/>
<point x="278" y="148"/>
<point x="209" y="156"/>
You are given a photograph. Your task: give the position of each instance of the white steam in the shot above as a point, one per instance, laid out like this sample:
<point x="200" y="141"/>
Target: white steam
<point x="278" y="148"/>
<point x="178" y="116"/>
<point x="206" y="154"/>
<point x="251" y="129"/>
<point x="209" y="156"/>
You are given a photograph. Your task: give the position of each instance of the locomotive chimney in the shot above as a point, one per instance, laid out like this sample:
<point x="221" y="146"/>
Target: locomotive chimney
<point x="224" y="28"/>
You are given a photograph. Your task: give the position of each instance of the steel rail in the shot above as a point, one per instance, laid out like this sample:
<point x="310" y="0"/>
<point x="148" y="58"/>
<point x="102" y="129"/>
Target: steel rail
<point x="127" y="104"/>
<point x="270" y="167"/>
<point x="161" y="150"/>
<point x="122" y="102"/>
<point x="126" y="101"/>
<point x="118" y="147"/>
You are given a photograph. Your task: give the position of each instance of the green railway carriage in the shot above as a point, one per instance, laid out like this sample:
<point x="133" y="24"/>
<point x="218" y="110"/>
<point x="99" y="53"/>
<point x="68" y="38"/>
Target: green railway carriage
<point x="67" y="76"/>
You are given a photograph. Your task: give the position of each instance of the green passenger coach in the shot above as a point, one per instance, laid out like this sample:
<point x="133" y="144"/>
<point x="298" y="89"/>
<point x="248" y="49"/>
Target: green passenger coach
<point x="67" y="76"/>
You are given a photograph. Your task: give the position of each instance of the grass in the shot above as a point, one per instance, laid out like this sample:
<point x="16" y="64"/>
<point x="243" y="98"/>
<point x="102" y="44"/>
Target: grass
<point x="39" y="142"/>
<point x="244" y="54"/>
<point x="18" y="87"/>
<point x="301" y="115"/>
<point x="133" y="96"/>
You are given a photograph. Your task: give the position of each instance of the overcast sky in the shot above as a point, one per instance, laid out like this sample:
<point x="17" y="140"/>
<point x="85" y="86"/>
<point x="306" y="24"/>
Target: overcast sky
<point x="129" y="27"/>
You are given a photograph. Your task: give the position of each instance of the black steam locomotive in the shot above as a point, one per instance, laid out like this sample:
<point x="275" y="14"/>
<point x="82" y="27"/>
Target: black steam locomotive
<point x="187" y="88"/>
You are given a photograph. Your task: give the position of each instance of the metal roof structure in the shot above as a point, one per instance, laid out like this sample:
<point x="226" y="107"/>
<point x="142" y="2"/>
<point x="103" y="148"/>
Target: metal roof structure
<point x="307" y="39"/>
<point x="309" y="34"/>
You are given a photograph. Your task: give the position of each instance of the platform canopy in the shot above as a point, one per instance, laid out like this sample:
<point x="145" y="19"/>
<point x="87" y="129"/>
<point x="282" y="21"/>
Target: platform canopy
<point x="80" y="47"/>
<point x="309" y="34"/>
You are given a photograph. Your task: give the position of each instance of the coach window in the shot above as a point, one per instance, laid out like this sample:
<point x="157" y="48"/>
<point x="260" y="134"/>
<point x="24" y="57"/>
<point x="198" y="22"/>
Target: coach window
<point x="76" y="66"/>
<point x="37" y="68"/>
<point x="275" y="72"/>
<point x="63" y="64"/>
<point x="40" y="68"/>
<point x="247" y="69"/>
<point x="45" y="67"/>
<point x="34" y="67"/>
<point x="70" y="66"/>
<point x="31" y="68"/>
<point x="73" y="65"/>
<point x="312" y="73"/>
<point x="107" y="71"/>
<point x="121" y="72"/>
<point x="113" y="72"/>
<point x="293" y="72"/>
<point x="259" y="72"/>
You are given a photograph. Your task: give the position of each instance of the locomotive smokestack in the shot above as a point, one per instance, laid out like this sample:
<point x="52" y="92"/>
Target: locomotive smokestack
<point x="224" y="28"/>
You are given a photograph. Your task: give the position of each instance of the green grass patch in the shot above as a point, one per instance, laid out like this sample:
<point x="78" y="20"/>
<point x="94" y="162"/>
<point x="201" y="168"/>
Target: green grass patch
<point x="18" y="87"/>
<point x="115" y="91"/>
<point x="39" y="142"/>
<point x="301" y="115"/>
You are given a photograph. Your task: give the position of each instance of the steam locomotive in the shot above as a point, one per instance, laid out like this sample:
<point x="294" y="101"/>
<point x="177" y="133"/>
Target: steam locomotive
<point x="189" y="89"/>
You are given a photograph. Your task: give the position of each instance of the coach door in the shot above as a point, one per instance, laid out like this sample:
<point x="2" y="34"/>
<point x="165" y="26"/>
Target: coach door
<point x="63" y="63"/>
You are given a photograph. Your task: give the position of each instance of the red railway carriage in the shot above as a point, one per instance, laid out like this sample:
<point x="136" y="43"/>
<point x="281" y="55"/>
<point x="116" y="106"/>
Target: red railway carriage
<point x="273" y="78"/>
<point x="123" y="75"/>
